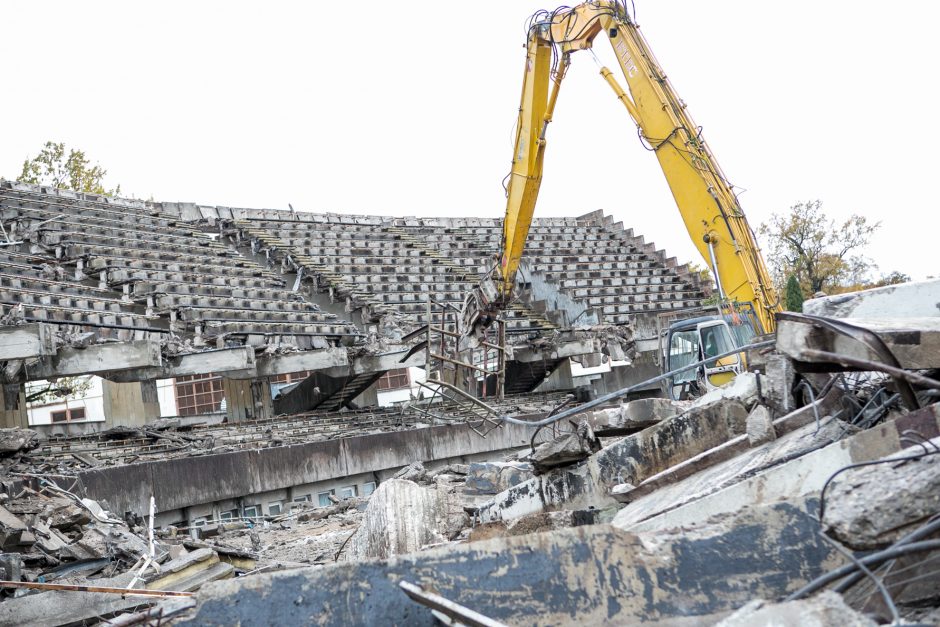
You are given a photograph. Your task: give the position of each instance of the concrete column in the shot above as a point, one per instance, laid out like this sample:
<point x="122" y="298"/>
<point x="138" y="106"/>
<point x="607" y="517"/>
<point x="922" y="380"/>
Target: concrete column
<point x="130" y="404"/>
<point x="247" y="399"/>
<point x="13" y="406"/>
<point x="368" y="398"/>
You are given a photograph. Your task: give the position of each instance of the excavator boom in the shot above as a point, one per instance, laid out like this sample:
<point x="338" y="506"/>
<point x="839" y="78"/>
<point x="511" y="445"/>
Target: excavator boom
<point x="709" y="207"/>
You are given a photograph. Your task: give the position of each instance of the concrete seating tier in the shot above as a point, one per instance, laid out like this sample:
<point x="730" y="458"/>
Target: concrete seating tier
<point x="390" y="265"/>
<point x="126" y="264"/>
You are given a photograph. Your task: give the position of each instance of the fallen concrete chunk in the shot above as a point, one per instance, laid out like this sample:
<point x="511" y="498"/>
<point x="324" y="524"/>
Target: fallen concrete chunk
<point x="13" y="531"/>
<point x="494" y="477"/>
<point x="743" y="389"/>
<point x="15" y="440"/>
<point x="760" y="426"/>
<point x="823" y="610"/>
<point x="635" y="415"/>
<point x="412" y="472"/>
<point x="777" y="383"/>
<point x="873" y="506"/>
<point x="565" y="449"/>
<point x="401" y="518"/>
<point x="11" y="566"/>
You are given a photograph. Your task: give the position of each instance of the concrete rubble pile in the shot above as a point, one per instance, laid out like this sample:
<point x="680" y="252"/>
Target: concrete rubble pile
<point x="802" y="494"/>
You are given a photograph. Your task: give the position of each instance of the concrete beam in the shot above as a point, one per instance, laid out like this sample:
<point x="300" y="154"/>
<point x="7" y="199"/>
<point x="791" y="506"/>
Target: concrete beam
<point x="914" y="341"/>
<point x="296" y="362"/>
<point x="566" y="349"/>
<point x="918" y="299"/>
<point x="25" y="342"/>
<point x="182" y="482"/>
<point x="239" y="361"/>
<point x="97" y="359"/>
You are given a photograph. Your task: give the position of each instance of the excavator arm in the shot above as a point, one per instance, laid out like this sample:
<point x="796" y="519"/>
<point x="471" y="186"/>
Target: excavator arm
<point x="709" y="208"/>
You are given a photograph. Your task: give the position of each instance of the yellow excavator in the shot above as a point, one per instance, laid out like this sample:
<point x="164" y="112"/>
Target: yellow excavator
<point x="706" y="201"/>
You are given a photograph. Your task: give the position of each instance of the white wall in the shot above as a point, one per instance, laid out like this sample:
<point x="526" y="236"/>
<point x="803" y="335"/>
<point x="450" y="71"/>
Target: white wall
<point x="166" y="393"/>
<point x="92" y="400"/>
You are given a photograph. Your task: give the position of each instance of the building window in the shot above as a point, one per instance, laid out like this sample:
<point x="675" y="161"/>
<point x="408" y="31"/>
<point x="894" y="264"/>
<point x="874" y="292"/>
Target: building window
<point x="348" y="492"/>
<point x="232" y="514"/>
<point x="68" y="415"/>
<point x="367" y="488"/>
<point x="302" y="499"/>
<point x="394" y="380"/>
<point x="323" y="498"/>
<point x="252" y="511"/>
<point x="199" y="394"/>
<point x="275" y="508"/>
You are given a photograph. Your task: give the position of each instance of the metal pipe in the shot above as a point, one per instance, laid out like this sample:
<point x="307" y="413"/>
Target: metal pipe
<point x="711" y="253"/>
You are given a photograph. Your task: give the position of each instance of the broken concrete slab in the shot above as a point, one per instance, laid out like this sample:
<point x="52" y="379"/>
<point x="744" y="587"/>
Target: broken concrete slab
<point x="13" y="531"/>
<point x="792" y="466"/>
<point x="631" y="460"/>
<point x="915" y="342"/>
<point x="915" y="299"/>
<point x="565" y="449"/>
<point x="874" y="506"/>
<point x="190" y="571"/>
<point x="66" y="608"/>
<point x="621" y="578"/>
<point x="14" y="440"/>
<point x="494" y="477"/>
<point x="822" y="610"/>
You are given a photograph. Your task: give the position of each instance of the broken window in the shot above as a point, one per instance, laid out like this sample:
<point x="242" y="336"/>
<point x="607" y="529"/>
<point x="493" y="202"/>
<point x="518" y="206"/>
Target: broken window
<point x="394" y="380"/>
<point x="323" y="498"/>
<point x="199" y="394"/>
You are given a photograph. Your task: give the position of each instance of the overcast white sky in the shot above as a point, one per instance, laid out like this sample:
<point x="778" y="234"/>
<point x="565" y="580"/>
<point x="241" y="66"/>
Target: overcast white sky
<point x="407" y="108"/>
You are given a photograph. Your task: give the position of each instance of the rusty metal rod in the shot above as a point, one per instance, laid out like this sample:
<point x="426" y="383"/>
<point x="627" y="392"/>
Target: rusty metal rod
<point x="144" y="592"/>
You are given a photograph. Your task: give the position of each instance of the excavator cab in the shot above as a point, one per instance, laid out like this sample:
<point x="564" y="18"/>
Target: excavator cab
<point x="698" y="339"/>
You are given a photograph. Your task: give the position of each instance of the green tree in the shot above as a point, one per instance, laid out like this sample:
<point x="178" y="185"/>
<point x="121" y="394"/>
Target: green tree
<point x="72" y="170"/>
<point x="820" y="252"/>
<point x="793" y="295"/>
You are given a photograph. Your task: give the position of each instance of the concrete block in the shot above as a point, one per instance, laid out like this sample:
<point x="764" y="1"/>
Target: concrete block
<point x="760" y="426"/>
<point x="494" y="477"/>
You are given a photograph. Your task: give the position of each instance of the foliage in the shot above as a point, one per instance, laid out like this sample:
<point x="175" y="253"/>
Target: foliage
<point x="61" y="390"/>
<point x="793" y="295"/>
<point x="52" y="166"/>
<point x="820" y="252"/>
